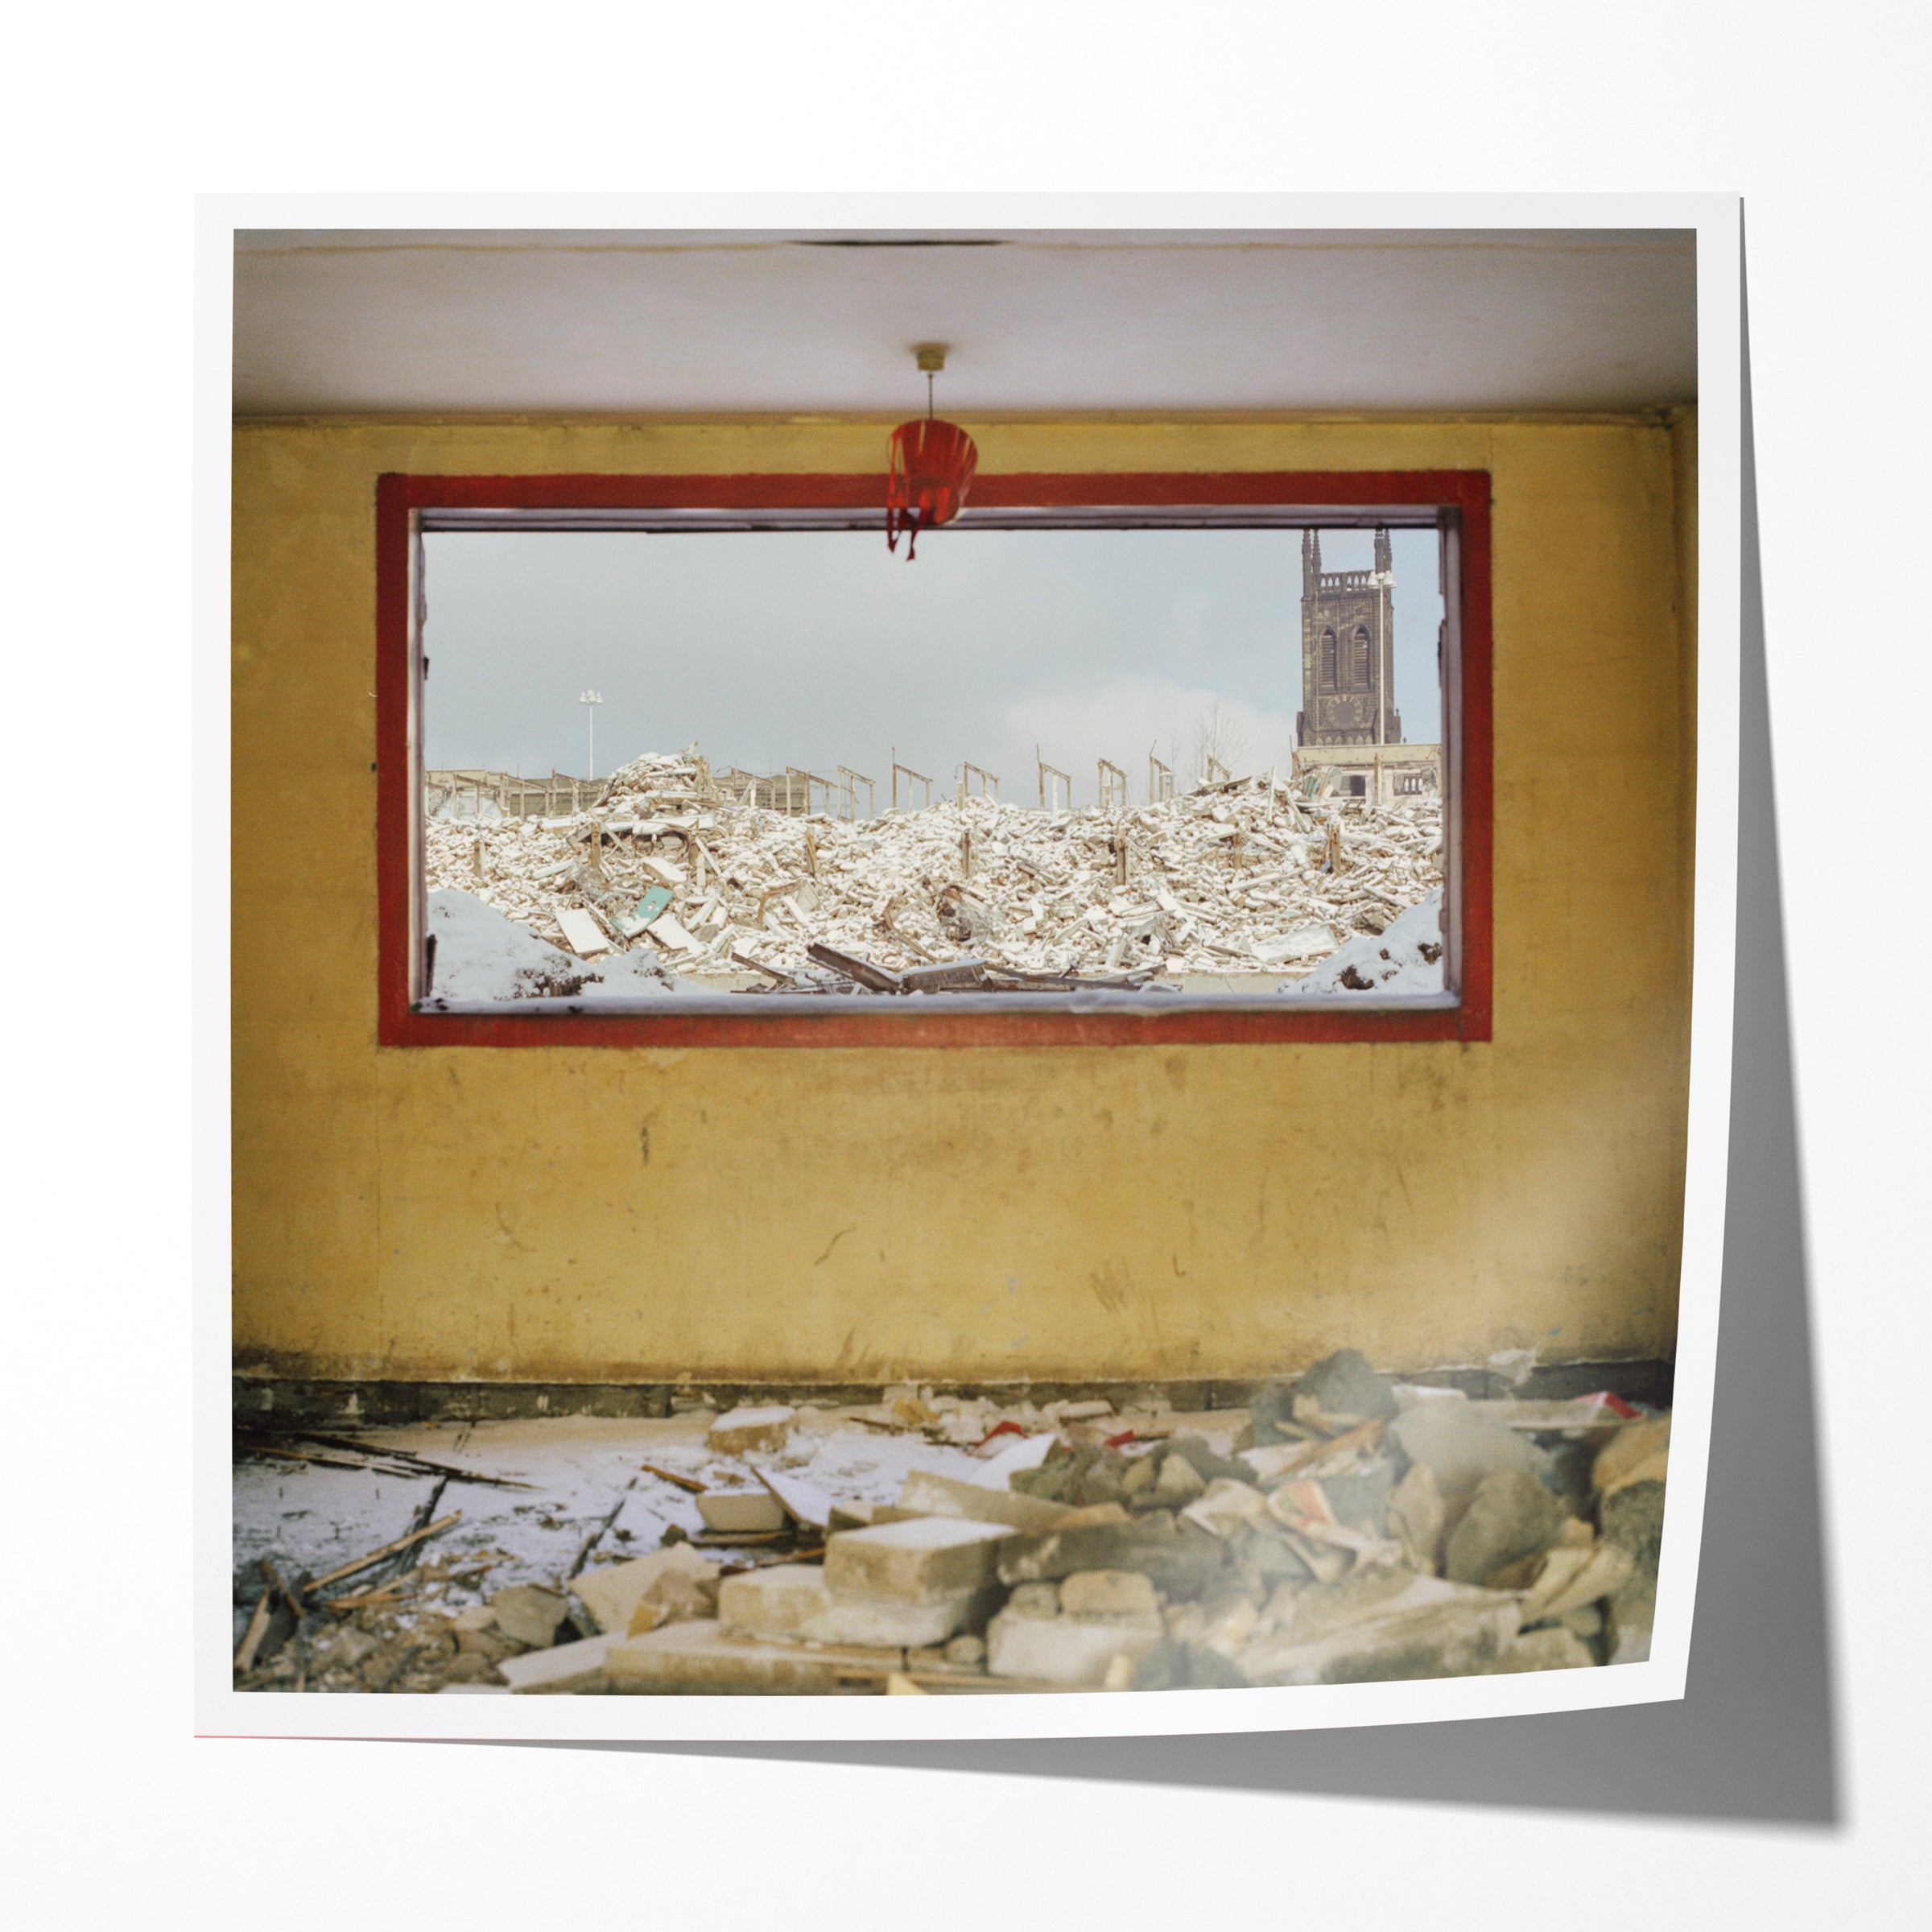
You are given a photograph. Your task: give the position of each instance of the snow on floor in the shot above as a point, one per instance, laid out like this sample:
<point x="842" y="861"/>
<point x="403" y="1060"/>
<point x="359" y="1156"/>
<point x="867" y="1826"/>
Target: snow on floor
<point x="313" y="1518"/>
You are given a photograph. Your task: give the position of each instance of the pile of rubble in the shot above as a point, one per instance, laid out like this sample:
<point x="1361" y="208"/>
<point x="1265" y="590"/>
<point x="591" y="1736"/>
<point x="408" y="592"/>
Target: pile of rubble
<point x="1343" y="1528"/>
<point x="1246" y="877"/>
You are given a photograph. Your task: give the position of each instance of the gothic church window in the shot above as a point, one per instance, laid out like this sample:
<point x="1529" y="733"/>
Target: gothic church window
<point x="1330" y="679"/>
<point x="1358" y="654"/>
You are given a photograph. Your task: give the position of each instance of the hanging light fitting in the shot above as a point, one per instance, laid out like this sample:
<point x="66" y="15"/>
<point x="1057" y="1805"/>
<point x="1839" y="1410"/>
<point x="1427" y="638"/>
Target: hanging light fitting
<point x="931" y="465"/>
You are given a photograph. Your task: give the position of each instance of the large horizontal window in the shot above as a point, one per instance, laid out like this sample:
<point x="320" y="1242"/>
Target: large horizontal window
<point x="1117" y="759"/>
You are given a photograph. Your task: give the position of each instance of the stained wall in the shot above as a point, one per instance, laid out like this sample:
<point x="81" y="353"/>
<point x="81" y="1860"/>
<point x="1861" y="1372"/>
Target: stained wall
<point x="603" y="1215"/>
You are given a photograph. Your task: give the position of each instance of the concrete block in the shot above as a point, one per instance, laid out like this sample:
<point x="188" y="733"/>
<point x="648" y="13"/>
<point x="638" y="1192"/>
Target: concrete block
<point x="931" y="1494"/>
<point x="678" y="1579"/>
<point x="1109" y="1593"/>
<point x="1067" y="1649"/>
<point x="740" y="1431"/>
<point x="922" y="1561"/>
<point x="802" y="1501"/>
<point x="789" y="1603"/>
<point x="741" y="1512"/>
<point x="529" y="1613"/>
<point x="699" y="1658"/>
<point x="565" y="1667"/>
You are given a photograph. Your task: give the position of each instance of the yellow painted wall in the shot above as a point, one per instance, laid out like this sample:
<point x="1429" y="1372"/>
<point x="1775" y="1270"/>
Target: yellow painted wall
<point x="864" y="1215"/>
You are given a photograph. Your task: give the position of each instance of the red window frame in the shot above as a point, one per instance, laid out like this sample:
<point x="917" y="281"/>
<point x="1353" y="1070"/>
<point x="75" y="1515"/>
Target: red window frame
<point x="403" y="501"/>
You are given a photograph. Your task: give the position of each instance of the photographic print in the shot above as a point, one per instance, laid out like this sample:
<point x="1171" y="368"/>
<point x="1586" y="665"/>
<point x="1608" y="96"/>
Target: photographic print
<point x="979" y="964"/>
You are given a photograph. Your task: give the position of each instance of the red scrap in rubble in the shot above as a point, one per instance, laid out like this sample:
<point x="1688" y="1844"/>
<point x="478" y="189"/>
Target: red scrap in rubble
<point x="932" y="467"/>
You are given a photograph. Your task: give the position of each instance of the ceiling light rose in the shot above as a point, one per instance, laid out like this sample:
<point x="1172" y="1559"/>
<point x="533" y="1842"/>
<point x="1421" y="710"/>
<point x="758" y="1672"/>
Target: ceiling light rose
<point x="931" y="467"/>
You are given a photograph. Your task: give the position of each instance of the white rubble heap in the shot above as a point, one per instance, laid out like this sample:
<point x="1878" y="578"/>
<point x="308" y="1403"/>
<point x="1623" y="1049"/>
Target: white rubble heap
<point x="1239" y="879"/>
<point x="1343" y="1527"/>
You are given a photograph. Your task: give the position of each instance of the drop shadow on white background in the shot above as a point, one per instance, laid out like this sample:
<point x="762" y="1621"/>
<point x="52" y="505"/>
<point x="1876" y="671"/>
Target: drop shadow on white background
<point x="1756" y="1736"/>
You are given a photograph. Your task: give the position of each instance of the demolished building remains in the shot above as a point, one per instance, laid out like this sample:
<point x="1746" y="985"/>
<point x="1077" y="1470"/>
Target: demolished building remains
<point x="1343" y="1527"/>
<point x="1251" y="882"/>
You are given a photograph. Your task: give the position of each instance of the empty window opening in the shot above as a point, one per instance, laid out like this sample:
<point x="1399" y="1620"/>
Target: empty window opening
<point x="666" y="761"/>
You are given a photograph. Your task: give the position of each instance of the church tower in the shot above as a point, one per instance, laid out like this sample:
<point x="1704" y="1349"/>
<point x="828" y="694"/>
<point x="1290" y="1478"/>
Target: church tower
<point x="1347" y="649"/>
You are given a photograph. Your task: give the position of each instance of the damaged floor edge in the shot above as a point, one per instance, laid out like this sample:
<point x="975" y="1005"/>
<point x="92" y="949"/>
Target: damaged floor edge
<point x="1342" y="1527"/>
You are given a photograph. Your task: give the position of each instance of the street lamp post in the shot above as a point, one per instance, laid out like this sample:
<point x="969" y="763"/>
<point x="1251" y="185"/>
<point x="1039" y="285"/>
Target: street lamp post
<point x="590" y="700"/>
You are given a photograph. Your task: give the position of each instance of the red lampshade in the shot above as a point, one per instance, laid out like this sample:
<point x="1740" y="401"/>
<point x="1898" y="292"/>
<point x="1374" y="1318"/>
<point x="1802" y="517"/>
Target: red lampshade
<point x="932" y="465"/>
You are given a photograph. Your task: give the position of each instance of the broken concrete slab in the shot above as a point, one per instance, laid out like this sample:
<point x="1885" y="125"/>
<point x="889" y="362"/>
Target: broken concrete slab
<point x="1181" y="1560"/>
<point x="741" y="1512"/>
<point x="581" y="932"/>
<point x="802" y="1501"/>
<point x="529" y="1613"/>
<point x="1067" y="1650"/>
<point x="565" y="1668"/>
<point x="934" y="1495"/>
<point x="1510" y="1517"/>
<point x="924" y="1560"/>
<point x="1427" y="1628"/>
<point x="699" y="1658"/>
<point x="743" y="1430"/>
<point x="676" y="1579"/>
<point x="790" y="1603"/>
<point x="1344" y="1388"/>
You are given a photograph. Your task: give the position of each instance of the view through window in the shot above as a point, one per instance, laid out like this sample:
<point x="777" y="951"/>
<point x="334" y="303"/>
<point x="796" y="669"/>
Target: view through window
<point x="1179" y="761"/>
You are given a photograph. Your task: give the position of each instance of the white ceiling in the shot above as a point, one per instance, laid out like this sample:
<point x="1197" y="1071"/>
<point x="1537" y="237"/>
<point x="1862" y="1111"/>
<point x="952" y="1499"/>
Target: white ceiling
<point x="567" y="320"/>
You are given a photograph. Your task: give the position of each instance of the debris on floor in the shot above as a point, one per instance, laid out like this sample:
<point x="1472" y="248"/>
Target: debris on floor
<point x="1343" y="1527"/>
<point x="675" y="881"/>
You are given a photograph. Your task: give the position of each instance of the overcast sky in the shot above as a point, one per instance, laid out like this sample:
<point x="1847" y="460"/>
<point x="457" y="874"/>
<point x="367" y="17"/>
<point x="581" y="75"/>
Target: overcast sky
<point x="819" y="649"/>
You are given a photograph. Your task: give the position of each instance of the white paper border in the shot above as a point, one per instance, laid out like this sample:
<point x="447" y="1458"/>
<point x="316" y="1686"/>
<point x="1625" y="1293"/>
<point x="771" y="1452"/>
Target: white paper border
<point x="219" y="1710"/>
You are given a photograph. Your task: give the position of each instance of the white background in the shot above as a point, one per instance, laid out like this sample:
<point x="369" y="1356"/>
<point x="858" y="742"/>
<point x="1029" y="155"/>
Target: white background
<point x="119" y="1813"/>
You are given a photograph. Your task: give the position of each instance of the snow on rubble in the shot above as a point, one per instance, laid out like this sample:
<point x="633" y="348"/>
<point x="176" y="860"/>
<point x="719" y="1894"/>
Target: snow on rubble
<point x="483" y="956"/>
<point x="1344" y="1526"/>
<point x="675" y="881"/>
<point x="1405" y="959"/>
